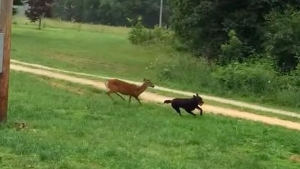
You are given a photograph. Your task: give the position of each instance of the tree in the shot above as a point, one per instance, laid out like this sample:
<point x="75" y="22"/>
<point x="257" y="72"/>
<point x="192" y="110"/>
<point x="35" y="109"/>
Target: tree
<point x="202" y="25"/>
<point x="17" y="3"/>
<point x="111" y="12"/>
<point x="282" y="39"/>
<point x="38" y="9"/>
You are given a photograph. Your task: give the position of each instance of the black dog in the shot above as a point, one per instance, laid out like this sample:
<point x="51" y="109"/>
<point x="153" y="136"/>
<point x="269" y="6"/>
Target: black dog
<point x="187" y="104"/>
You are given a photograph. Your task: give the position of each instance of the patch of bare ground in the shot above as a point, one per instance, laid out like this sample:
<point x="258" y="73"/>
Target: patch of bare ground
<point x="295" y="158"/>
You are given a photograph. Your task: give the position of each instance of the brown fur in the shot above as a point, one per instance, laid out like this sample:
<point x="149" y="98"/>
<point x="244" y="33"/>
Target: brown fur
<point x="118" y="86"/>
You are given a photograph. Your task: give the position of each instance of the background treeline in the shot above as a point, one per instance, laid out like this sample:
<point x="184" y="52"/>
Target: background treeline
<point x="108" y="12"/>
<point x="245" y="48"/>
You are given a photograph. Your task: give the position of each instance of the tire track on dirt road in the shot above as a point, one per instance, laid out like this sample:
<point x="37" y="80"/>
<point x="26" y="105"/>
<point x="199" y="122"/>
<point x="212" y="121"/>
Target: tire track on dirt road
<point x="151" y="97"/>
<point x="206" y="97"/>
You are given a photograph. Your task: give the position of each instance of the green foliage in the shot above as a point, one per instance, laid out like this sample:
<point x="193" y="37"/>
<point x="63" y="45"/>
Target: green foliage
<point x="111" y="12"/>
<point x="16" y="3"/>
<point x="255" y="80"/>
<point x="202" y="25"/>
<point x="283" y="38"/>
<point x="38" y="9"/>
<point x="231" y="51"/>
<point x="139" y="34"/>
<point x="246" y="78"/>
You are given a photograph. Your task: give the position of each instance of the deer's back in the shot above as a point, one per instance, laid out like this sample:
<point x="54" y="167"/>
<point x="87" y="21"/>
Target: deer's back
<point x="122" y="87"/>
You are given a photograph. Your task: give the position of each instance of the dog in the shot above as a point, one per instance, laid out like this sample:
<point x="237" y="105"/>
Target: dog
<point x="187" y="104"/>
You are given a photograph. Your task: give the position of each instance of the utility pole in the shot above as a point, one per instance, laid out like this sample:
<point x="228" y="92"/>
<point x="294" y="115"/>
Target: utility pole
<point x="5" y="43"/>
<point x="160" y="12"/>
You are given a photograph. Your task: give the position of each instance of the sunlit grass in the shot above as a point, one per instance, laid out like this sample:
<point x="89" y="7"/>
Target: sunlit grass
<point x="75" y="127"/>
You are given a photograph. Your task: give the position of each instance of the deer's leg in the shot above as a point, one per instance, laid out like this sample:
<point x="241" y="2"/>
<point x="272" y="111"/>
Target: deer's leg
<point x="120" y="96"/>
<point x="199" y="108"/>
<point x="108" y="93"/>
<point x="136" y="98"/>
<point x="177" y="109"/>
<point x="129" y="99"/>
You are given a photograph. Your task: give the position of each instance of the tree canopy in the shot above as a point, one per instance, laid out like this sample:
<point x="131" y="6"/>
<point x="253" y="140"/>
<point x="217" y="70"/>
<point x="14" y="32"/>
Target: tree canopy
<point x="38" y="9"/>
<point x="203" y="25"/>
<point x="110" y="12"/>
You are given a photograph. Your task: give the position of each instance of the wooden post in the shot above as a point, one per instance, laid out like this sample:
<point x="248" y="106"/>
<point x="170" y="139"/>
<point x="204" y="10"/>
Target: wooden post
<point x="5" y="28"/>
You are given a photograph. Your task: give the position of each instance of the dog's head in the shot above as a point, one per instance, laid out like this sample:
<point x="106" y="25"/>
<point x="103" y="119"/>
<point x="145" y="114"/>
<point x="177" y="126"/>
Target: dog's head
<point x="199" y="99"/>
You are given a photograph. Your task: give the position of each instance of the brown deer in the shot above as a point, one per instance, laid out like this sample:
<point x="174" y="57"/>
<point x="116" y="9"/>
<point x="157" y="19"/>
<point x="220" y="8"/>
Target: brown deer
<point x="118" y="86"/>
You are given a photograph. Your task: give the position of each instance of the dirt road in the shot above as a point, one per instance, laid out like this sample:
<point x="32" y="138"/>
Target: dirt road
<point x="206" y="97"/>
<point x="147" y="96"/>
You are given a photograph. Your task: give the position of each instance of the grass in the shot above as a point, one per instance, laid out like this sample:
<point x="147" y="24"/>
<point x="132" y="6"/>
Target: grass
<point x="171" y="94"/>
<point x="79" y="128"/>
<point x="22" y="21"/>
<point x="98" y="50"/>
<point x="82" y="51"/>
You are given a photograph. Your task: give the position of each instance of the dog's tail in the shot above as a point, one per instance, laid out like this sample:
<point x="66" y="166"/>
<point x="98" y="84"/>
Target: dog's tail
<point x="167" y="101"/>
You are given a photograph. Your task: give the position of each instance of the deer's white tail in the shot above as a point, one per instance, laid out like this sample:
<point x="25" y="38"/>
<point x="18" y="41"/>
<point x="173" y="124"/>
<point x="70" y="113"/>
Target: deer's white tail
<point x="106" y="84"/>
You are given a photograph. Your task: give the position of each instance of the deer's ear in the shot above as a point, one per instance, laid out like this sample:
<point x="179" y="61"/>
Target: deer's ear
<point x="197" y="94"/>
<point x="144" y="79"/>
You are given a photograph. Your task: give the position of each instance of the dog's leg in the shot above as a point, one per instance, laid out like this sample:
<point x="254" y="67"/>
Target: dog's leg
<point x="199" y="108"/>
<point x="177" y="109"/>
<point x="190" y="112"/>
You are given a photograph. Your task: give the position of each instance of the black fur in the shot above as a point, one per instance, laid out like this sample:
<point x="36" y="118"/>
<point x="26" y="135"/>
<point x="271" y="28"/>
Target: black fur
<point x="187" y="104"/>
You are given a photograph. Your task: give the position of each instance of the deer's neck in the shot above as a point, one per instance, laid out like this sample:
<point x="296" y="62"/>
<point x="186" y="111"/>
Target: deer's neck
<point x="141" y="89"/>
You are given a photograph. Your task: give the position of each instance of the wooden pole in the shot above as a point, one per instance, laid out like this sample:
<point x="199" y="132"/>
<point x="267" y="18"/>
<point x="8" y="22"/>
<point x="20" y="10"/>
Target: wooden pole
<point x="5" y="28"/>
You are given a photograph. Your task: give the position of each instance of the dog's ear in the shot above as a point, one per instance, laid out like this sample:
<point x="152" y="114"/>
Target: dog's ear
<point x="197" y="94"/>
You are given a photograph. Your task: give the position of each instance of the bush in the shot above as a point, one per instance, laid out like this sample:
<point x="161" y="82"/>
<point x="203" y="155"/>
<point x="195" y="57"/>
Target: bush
<point x="246" y="78"/>
<point x="139" y="34"/>
<point x="232" y="50"/>
<point x="187" y="72"/>
<point x="255" y="79"/>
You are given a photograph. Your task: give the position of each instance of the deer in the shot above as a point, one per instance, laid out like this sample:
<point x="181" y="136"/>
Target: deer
<point x="187" y="104"/>
<point x="118" y="86"/>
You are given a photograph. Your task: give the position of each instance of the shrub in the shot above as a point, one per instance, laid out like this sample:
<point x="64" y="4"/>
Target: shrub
<point x="188" y="72"/>
<point x="246" y="78"/>
<point x="254" y="78"/>
<point x="232" y="50"/>
<point x="139" y="34"/>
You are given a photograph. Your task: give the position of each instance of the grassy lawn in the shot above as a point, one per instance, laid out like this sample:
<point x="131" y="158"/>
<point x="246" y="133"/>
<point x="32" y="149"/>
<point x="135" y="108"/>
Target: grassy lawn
<point x="98" y="50"/>
<point x="78" y="128"/>
<point x="103" y="53"/>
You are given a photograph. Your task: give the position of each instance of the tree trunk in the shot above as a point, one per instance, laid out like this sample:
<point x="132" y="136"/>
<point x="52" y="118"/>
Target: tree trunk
<point x="40" y="22"/>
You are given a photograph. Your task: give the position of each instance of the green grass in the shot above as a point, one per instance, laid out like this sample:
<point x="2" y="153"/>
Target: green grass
<point x="79" y="128"/>
<point x="103" y="50"/>
<point x="58" y="24"/>
<point x="90" y="52"/>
